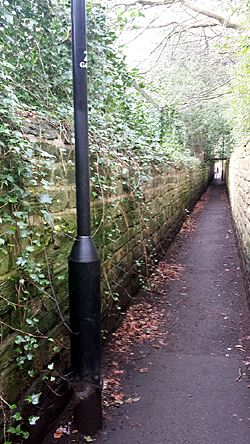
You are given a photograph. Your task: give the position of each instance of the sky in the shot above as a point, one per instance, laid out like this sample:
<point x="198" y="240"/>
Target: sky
<point x="138" y="49"/>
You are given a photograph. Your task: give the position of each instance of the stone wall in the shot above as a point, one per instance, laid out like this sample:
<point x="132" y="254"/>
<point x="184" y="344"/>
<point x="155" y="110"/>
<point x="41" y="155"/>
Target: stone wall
<point x="136" y="228"/>
<point x="238" y="184"/>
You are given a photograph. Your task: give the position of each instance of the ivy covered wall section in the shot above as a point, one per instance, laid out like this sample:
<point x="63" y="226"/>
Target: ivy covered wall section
<point x="131" y="228"/>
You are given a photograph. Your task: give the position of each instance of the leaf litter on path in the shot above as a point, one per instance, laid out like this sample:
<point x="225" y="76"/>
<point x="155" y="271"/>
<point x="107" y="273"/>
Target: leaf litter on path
<point x="144" y="322"/>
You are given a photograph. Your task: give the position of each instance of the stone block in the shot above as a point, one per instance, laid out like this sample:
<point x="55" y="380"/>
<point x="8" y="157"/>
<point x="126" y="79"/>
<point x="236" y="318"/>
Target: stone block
<point x="51" y="149"/>
<point x="59" y="200"/>
<point x="70" y="176"/>
<point x="59" y="174"/>
<point x="36" y="128"/>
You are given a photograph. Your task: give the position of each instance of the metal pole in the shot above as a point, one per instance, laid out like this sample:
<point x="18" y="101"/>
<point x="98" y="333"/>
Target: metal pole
<point x="84" y="262"/>
<point x="222" y="172"/>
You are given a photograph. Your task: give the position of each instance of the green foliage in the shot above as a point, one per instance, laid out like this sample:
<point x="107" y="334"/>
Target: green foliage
<point x="194" y="77"/>
<point x="239" y="51"/>
<point x="38" y="72"/>
<point x="129" y="140"/>
<point x="208" y="130"/>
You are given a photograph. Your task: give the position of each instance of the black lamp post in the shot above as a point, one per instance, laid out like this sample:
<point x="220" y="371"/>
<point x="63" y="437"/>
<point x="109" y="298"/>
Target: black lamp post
<point x="84" y="262"/>
<point x="223" y="156"/>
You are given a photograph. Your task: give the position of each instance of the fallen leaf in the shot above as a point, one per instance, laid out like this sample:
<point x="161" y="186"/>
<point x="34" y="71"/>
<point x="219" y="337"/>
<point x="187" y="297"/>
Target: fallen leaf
<point x="88" y="439"/>
<point x="143" y="370"/>
<point x="114" y="363"/>
<point x="117" y="396"/>
<point x="130" y="400"/>
<point x="74" y="431"/>
<point x="105" y="384"/>
<point x="58" y="434"/>
<point x="239" y="347"/>
<point x="149" y="363"/>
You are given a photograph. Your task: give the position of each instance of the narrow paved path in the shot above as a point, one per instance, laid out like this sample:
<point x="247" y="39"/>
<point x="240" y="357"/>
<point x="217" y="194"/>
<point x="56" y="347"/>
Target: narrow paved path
<point x="190" y="393"/>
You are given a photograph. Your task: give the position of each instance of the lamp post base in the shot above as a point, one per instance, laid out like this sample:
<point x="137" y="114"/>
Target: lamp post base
<point x="85" y="308"/>
<point x="87" y="408"/>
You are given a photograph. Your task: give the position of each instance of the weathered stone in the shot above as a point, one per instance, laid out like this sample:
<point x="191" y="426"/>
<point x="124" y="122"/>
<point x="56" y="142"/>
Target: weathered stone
<point x="71" y="176"/>
<point x="36" y="128"/>
<point x="51" y="149"/>
<point x="238" y="184"/>
<point x="126" y="228"/>
<point x="59" y="200"/>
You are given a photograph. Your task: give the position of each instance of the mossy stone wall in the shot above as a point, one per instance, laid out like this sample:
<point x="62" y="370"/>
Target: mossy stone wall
<point x="136" y="228"/>
<point x="238" y="184"/>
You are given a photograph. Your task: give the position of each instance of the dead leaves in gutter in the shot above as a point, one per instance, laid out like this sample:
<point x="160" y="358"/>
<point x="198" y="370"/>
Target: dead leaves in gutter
<point x="144" y="322"/>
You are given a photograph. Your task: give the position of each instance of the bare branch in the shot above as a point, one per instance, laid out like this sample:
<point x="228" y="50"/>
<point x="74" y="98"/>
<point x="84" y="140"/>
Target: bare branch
<point x="222" y="20"/>
<point x="146" y="95"/>
<point x="192" y="103"/>
<point x="195" y="25"/>
<point x="227" y="22"/>
<point x="148" y="3"/>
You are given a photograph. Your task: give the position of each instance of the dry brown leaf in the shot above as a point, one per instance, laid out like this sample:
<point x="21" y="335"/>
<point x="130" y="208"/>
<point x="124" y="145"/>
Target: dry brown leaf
<point x="130" y="400"/>
<point x="58" y="434"/>
<point x="239" y="347"/>
<point x="117" y="396"/>
<point x="105" y="384"/>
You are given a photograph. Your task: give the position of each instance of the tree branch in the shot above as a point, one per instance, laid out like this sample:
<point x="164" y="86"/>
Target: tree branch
<point x="227" y="22"/>
<point x="146" y="96"/>
<point x="148" y="3"/>
<point x="222" y="20"/>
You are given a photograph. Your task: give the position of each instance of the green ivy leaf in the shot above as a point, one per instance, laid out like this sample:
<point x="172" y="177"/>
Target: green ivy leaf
<point x="17" y="416"/>
<point x="30" y="248"/>
<point x="34" y="398"/>
<point x="33" y="419"/>
<point x="45" y="198"/>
